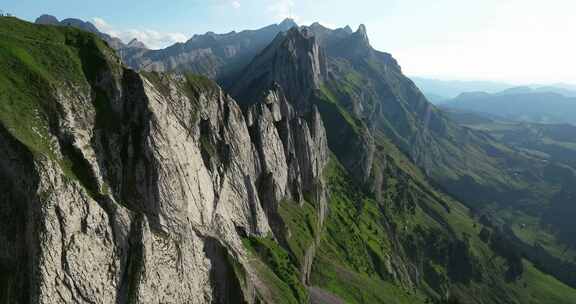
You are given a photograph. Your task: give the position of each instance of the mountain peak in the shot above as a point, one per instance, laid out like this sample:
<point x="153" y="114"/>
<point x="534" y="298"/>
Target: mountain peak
<point x="47" y="20"/>
<point x="303" y="32"/>
<point x="81" y="24"/>
<point x="87" y="26"/>
<point x="135" y="43"/>
<point x="287" y="24"/>
<point x="362" y="34"/>
<point x="294" y="60"/>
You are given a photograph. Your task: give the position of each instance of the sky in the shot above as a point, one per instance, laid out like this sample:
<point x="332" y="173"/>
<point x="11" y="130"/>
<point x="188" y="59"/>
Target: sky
<point x="516" y="41"/>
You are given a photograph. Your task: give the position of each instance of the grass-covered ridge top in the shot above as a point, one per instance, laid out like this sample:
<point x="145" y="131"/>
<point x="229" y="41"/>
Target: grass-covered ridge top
<point x="50" y="76"/>
<point x="37" y="62"/>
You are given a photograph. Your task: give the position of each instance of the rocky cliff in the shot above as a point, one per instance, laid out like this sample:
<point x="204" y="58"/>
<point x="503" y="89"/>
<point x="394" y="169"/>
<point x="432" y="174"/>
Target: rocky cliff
<point x="129" y="187"/>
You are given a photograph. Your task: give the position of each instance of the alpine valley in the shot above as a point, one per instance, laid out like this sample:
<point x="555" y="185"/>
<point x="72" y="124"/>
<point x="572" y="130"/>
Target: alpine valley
<point x="289" y="164"/>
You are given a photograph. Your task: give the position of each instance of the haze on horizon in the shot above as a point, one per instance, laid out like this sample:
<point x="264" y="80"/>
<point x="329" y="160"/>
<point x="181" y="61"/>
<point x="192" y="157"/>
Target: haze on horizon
<point x="516" y="41"/>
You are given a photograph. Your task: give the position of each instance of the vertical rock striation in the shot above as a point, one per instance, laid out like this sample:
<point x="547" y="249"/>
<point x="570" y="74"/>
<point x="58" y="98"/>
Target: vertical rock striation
<point x="146" y="186"/>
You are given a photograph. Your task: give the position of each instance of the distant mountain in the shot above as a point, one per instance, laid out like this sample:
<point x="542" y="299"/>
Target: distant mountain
<point x="439" y="90"/>
<point x="539" y="89"/>
<point x="520" y="104"/>
<point x="47" y="20"/>
<point x="379" y="124"/>
<point x="553" y="142"/>
<point x="215" y="55"/>
<point x="135" y="43"/>
<point x="87" y="26"/>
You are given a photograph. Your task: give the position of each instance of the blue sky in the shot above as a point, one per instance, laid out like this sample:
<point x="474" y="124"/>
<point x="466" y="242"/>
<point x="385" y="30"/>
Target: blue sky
<point x="519" y="41"/>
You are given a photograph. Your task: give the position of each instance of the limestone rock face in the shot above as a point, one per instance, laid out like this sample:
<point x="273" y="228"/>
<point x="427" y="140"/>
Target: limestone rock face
<point x="271" y="151"/>
<point x="151" y="181"/>
<point x="293" y="152"/>
<point x="135" y="43"/>
<point x="294" y="61"/>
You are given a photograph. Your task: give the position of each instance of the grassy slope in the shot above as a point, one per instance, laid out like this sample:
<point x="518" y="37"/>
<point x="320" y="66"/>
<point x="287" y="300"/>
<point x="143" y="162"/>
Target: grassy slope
<point x="36" y="64"/>
<point x="541" y="288"/>
<point x="488" y="175"/>
<point x="556" y="144"/>
<point x="353" y="245"/>
<point x="33" y="62"/>
<point x="410" y="222"/>
<point x="353" y="238"/>
<point x="355" y="242"/>
<point x="301" y="223"/>
<point x="277" y="270"/>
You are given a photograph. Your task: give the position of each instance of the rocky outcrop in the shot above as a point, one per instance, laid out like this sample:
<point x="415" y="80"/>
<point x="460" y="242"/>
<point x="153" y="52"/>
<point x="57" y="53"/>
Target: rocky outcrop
<point x="147" y="186"/>
<point x="293" y="151"/>
<point x="135" y="43"/>
<point x="294" y="61"/>
<point x="299" y="148"/>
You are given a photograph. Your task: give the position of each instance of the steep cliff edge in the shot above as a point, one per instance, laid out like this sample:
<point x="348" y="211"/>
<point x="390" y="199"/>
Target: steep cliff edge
<point x="124" y="188"/>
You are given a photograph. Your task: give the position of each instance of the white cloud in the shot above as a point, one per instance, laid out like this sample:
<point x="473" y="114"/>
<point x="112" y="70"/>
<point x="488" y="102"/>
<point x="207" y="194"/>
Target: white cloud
<point x="282" y="9"/>
<point x="516" y="56"/>
<point x="220" y="3"/>
<point x="102" y="25"/>
<point x="521" y="42"/>
<point x="152" y="38"/>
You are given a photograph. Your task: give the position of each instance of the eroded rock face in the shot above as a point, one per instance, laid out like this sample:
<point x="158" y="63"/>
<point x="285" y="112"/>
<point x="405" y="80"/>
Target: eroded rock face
<point x="299" y="141"/>
<point x="294" y="61"/>
<point x="145" y="198"/>
<point x="219" y="56"/>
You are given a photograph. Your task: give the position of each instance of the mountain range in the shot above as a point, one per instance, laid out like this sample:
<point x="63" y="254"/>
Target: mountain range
<point x="215" y="55"/>
<point x="544" y="105"/>
<point x="440" y="91"/>
<point x="87" y="26"/>
<point x="289" y="164"/>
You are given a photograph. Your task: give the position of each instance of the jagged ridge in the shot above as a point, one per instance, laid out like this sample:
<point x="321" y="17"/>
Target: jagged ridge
<point x="141" y="186"/>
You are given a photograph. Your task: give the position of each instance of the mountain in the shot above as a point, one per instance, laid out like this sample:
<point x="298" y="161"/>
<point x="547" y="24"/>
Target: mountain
<point x="47" y="20"/>
<point x="539" y="89"/>
<point x="135" y="43"/>
<point x="317" y="174"/>
<point x="441" y="90"/>
<point x="145" y="184"/>
<point x="520" y="104"/>
<point x="552" y="143"/>
<point x="215" y="55"/>
<point x="89" y="27"/>
<point x="368" y="104"/>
